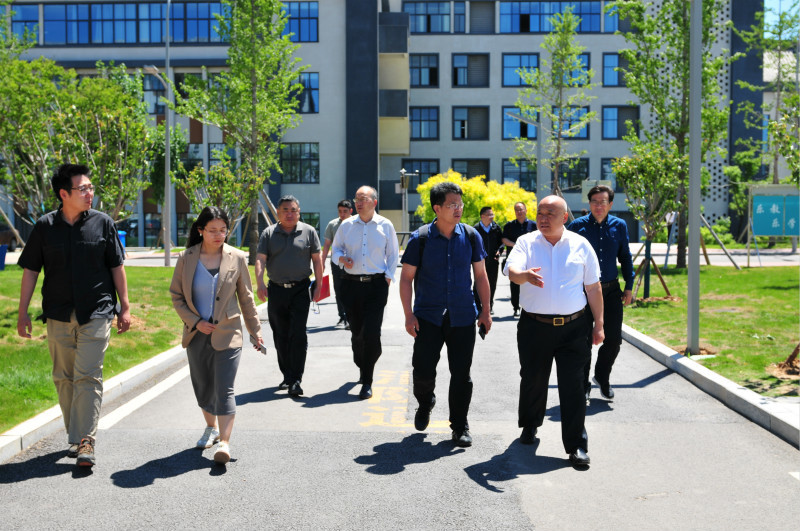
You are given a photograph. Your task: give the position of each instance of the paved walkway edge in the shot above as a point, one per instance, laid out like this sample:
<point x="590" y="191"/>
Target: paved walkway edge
<point x="779" y="417"/>
<point x="48" y="422"/>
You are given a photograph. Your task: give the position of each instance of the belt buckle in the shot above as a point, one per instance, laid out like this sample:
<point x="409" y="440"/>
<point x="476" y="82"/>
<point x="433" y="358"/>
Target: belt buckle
<point x="558" y="321"/>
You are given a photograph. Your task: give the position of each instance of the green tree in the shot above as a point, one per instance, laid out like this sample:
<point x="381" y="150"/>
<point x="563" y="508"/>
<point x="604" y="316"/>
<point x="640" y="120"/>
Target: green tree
<point x="253" y="103"/>
<point x="478" y="193"/>
<point x="557" y="93"/>
<point x="658" y="75"/>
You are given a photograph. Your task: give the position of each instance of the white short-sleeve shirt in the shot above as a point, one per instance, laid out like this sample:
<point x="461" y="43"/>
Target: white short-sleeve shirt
<point x="567" y="267"/>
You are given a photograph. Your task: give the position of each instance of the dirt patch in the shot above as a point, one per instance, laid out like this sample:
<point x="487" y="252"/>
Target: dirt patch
<point x="705" y="350"/>
<point x="660" y="299"/>
<point x="719" y="297"/>
<point x="785" y="371"/>
<point x="136" y="323"/>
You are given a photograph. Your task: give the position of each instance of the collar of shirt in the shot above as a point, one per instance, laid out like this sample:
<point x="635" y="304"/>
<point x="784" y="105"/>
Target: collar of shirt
<point x="371" y="244"/>
<point x="486" y="228"/>
<point x="609" y="238"/>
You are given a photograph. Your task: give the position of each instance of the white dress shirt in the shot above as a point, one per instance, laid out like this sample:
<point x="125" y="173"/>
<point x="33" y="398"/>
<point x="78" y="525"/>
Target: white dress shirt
<point x="566" y="266"/>
<point x="372" y="246"/>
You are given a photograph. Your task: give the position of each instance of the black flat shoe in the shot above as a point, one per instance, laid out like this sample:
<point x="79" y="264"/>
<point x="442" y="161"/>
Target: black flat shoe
<point x="579" y="457"/>
<point x="366" y="393"/>
<point x="528" y="435"/>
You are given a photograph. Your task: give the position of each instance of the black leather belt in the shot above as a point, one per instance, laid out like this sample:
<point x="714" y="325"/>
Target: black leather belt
<point x="287" y="285"/>
<point x="555" y="320"/>
<point x="363" y="278"/>
<point x="606" y="286"/>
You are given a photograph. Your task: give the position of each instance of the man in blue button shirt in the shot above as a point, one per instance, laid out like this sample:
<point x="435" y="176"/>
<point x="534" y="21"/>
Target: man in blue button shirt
<point x="609" y="237"/>
<point x="444" y="307"/>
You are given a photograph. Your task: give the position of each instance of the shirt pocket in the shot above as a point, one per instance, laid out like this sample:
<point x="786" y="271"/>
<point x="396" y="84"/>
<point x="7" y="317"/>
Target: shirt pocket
<point x="55" y="255"/>
<point x="91" y="253"/>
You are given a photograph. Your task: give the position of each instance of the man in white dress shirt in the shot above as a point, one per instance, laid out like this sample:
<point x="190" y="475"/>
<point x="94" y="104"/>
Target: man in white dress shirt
<point x="365" y="246"/>
<point x="553" y="267"/>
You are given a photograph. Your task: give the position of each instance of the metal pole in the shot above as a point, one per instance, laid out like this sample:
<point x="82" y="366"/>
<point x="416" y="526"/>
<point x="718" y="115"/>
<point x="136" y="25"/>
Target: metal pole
<point x="404" y="199"/>
<point x="166" y="212"/>
<point x="695" y="135"/>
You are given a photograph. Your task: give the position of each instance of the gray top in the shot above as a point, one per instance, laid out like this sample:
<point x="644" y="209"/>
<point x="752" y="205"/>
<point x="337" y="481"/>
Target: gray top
<point x="289" y="255"/>
<point x="204" y="289"/>
<point x="333" y="226"/>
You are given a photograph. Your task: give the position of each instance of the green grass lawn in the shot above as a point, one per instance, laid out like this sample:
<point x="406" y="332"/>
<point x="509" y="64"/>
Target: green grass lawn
<point x="748" y="318"/>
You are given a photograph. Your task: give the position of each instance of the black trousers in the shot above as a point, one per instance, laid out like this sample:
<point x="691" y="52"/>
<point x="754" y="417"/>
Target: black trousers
<point x="460" y="341"/>
<point x="612" y="327"/>
<point x="287" y="309"/>
<point x="337" y="274"/>
<point x="364" y="303"/>
<point x="492" y="268"/>
<point x="539" y="344"/>
<point x="514" y="295"/>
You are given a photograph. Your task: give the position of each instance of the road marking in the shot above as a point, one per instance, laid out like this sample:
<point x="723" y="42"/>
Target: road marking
<point x="795" y="475"/>
<point x="389" y="404"/>
<point x="126" y="409"/>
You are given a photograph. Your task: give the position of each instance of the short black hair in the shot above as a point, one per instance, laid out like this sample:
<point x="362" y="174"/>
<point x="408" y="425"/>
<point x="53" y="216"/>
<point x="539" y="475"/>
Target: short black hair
<point x="439" y="192"/>
<point x="287" y="199"/>
<point x="485" y="209"/>
<point x="599" y="189"/>
<point x="62" y="178"/>
<point x="345" y="203"/>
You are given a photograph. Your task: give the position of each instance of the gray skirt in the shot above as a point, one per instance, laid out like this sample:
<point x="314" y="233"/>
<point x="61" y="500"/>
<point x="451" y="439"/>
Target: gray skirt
<point x="212" y="373"/>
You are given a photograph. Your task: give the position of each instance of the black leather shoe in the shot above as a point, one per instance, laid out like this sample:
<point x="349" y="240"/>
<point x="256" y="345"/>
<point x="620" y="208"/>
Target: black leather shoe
<point x="516" y="313"/>
<point x="283" y="385"/>
<point x="605" y="389"/>
<point x="579" y="457"/>
<point x="366" y="392"/>
<point x="295" y="389"/>
<point x="423" y="416"/>
<point x="588" y="392"/>
<point x="347" y="325"/>
<point x="528" y="435"/>
<point x="462" y="438"/>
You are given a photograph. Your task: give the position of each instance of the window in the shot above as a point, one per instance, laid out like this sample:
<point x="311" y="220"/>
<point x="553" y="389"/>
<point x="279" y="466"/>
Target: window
<point x="427" y="168"/>
<point x="571" y="178"/>
<point x="470" y="70"/>
<point x="614" y="70"/>
<point x="151" y="23"/>
<point x="523" y="172"/>
<point x="470" y="168"/>
<point x="481" y="18"/>
<point x="312" y="218"/>
<point x="470" y="123"/>
<point x="515" y="128"/>
<point x="428" y="17"/>
<point x="303" y="23"/>
<point x="215" y="152"/>
<point x="424" y="123"/>
<point x="113" y="23"/>
<point x="66" y="24"/>
<point x="201" y="25"/>
<point x="614" y="119"/>
<point x="424" y="70"/>
<point x="153" y="91"/>
<point x="514" y="62"/>
<point x="459" y="18"/>
<point x="577" y="77"/>
<point x="300" y="163"/>
<point x="193" y="156"/>
<point x="571" y="118"/>
<point x="612" y="23"/>
<point x="25" y="18"/>
<point x="607" y="174"/>
<point x="533" y="17"/>
<point x="308" y="99"/>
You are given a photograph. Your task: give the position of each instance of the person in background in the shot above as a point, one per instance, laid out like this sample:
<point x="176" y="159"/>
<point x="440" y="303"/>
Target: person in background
<point x="511" y="231"/>
<point x="345" y="208"/>
<point x="210" y="290"/>
<point x="492" y="236"/>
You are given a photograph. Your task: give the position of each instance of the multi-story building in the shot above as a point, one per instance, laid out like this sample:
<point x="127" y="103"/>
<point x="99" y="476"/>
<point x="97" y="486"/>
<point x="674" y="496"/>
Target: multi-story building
<point x="392" y="84"/>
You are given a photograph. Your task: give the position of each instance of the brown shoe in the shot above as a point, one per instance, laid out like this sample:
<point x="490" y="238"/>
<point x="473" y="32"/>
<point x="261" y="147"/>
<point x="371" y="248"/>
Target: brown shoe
<point x="86" y="452"/>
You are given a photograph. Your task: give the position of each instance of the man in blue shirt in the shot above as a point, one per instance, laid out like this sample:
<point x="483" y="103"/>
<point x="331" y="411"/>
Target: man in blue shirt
<point x="438" y="259"/>
<point x="609" y="237"/>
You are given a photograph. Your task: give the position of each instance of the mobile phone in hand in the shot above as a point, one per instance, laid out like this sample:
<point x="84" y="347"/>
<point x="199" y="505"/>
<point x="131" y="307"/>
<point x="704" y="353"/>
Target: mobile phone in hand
<point x="261" y="347"/>
<point x="482" y="331"/>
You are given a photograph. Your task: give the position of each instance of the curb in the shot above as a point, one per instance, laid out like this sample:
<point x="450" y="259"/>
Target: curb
<point x="780" y="417"/>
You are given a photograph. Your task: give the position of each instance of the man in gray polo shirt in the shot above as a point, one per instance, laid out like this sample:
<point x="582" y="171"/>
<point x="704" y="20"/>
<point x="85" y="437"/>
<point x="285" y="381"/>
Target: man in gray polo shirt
<point x="287" y="250"/>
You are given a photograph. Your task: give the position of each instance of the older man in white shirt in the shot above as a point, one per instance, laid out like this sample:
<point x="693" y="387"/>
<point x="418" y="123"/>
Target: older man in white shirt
<point x="365" y="246"/>
<point x="558" y="272"/>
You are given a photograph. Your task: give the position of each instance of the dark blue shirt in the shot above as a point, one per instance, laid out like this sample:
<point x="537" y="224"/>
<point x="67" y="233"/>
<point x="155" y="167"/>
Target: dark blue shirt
<point x="444" y="278"/>
<point x="610" y="242"/>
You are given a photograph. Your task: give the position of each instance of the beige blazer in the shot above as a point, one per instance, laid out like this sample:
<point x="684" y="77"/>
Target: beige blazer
<point x="234" y="283"/>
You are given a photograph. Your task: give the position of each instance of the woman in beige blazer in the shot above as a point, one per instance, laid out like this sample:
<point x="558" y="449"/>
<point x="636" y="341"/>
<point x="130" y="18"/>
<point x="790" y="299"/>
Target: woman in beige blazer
<point x="211" y="291"/>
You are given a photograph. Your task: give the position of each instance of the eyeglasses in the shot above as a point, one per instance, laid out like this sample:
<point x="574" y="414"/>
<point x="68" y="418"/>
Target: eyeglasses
<point x="455" y="206"/>
<point x="361" y="200"/>
<point x="85" y="189"/>
<point x="289" y="210"/>
<point x="222" y="232"/>
<point x="599" y="203"/>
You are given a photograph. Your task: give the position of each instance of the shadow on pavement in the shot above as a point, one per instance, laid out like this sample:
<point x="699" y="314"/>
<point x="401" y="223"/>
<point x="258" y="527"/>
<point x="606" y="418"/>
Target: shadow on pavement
<point x="394" y="457"/>
<point x="42" y="466"/>
<point x="267" y="394"/>
<point x="337" y="396"/>
<point x="166" y="467"/>
<point x="517" y="460"/>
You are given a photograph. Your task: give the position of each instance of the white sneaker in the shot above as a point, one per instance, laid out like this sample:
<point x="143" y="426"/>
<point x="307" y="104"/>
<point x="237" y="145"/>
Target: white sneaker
<point x="210" y="436"/>
<point x="223" y="453"/>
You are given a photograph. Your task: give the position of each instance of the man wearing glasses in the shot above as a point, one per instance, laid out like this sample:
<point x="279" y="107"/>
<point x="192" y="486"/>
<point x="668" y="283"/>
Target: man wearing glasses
<point x="82" y="259"/>
<point x="365" y="247"/>
<point x="438" y="261"/>
<point x="287" y="250"/>
<point x="609" y="237"/>
<point x="511" y="231"/>
<point x="492" y="236"/>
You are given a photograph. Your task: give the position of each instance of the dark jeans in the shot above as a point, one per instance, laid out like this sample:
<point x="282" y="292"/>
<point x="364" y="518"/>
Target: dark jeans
<point x="337" y="273"/>
<point x="612" y="327"/>
<point x="364" y="303"/>
<point x="539" y="344"/>
<point x="460" y="341"/>
<point x="287" y="309"/>
<point x="492" y="268"/>
<point x="514" y="295"/>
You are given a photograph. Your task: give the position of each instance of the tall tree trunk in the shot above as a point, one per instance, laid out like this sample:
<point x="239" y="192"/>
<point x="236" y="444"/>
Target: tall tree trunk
<point x="253" y="231"/>
<point x="680" y="239"/>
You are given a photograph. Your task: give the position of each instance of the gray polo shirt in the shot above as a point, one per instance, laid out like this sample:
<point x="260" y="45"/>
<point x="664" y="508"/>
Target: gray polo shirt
<point x="289" y="255"/>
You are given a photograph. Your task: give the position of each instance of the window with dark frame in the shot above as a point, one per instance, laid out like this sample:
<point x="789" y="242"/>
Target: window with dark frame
<point x="513" y="62"/>
<point x="25" y="17"/>
<point x="426" y="169"/>
<point x="570" y="179"/>
<point x="300" y="163"/>
<point x="153" y="92"/>
<point x="607" y="174"/>
<point x="470" y="70"/>
<point x="615" y="118"/>
<point x="424" y="122"/>
<point x="303" y="22"/>
<point x="571" y="118"/>
<point x="522" y="172"/>
<point x="459" y="17"/>
<point x="308" y="98"/>
<point x="470" y="168"/>
<point x="515" y="128"/>
<point x="614" y="70"/>
<point x="424" y="70"/>
<point x="533" y="16"/>
<point x="470" y="123"/>
<point x="428" y="17"/>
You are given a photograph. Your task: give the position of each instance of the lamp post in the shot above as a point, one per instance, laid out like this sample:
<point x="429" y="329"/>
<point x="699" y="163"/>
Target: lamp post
<point x="404" y="195"/>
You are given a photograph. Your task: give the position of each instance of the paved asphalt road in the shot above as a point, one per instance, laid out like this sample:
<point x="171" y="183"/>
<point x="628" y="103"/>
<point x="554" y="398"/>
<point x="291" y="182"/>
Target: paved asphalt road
<point x="664" y="454"/>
